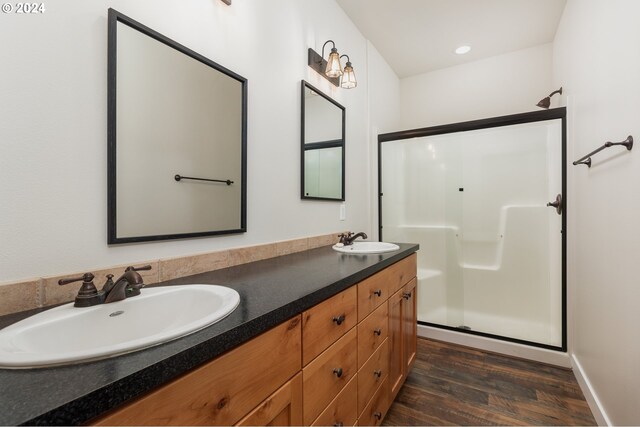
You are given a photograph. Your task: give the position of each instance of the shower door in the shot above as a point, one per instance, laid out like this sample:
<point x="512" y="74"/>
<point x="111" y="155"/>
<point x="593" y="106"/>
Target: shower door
<point x="475" y="197"/>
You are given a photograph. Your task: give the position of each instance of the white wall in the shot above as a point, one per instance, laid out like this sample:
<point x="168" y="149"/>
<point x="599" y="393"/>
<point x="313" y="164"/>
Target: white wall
<point x="53" y="128"/>
<point x="384" y="116"/>
<point x="501" y="85"/>
<point x="597" y="60"/>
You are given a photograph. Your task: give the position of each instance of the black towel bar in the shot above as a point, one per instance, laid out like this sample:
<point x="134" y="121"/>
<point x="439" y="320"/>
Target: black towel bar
<point x="586" y="160"/>
<point x="179" y="178"/>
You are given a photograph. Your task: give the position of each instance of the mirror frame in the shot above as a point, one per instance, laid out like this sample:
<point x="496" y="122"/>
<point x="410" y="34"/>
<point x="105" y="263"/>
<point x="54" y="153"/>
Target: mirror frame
<point x="329" y="144"/>
<point x="112" y="237"/>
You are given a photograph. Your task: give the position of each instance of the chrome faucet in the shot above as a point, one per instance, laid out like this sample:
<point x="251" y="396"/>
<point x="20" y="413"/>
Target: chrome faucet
<point x="127" y="285"/>
<point x="348" y="237"/>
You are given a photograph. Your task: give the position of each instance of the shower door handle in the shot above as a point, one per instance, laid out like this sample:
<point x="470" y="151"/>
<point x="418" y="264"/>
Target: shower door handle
<point x="557" y="204"/>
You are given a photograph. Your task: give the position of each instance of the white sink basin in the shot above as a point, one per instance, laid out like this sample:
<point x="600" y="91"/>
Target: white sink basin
<point x="366" y="248"/>
<point x="67" y="334"/>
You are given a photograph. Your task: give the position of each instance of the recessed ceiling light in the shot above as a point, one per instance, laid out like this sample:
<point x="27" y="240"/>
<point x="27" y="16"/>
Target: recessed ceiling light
<point x="461" y="50"/>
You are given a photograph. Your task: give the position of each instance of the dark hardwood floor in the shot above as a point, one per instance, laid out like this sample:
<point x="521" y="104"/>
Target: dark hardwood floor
<point x="456" y="385"/>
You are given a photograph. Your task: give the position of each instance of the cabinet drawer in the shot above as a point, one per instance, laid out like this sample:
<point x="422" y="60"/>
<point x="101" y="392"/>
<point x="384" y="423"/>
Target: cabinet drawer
<point x="282" y="408"/>
<point x="323" y="378"/>
<point x="376" y="289"/>
<point x="372" y="374"/>
<point x="343" y="410"/>
<point x="323" y="324"/>
<point x="372" y="331"/>
<point x="372" y="292"/>
<point x="377" y="407"/>
<point x="223" y="390"/>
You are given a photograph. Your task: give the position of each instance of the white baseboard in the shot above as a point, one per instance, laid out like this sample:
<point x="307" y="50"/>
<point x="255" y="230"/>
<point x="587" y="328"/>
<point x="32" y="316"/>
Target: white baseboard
<point x="589" y="394"/>
<point x="550" y="357"/>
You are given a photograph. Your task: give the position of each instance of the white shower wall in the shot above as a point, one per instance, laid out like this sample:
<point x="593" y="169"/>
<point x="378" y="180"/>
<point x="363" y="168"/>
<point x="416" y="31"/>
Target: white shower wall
<point x="475" y="201"/>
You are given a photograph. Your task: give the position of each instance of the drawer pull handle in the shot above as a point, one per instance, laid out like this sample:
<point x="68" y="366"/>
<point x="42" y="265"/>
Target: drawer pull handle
<point x="378" y="415"/>
<point x="378" y="331"/>
<point x="338" y="372"/>
<point x="378" y="292"/>
<point x="378" y="373"/>
<point x="338" y="424"/>
<point x="338" y="319"/>
<point x="406" y="295"/>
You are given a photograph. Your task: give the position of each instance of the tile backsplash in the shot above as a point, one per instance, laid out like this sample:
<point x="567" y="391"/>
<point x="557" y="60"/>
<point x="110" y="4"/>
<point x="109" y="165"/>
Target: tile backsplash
<point x="45" y="291"/>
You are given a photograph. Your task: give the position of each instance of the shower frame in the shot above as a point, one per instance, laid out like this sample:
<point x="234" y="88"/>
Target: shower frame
<point x="494" y="122"/>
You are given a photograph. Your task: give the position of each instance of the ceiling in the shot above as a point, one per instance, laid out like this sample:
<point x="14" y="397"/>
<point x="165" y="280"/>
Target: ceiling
<point x="417" y="36"/>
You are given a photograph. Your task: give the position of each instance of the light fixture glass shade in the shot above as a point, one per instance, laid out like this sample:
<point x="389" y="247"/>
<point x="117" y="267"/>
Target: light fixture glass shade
<point x="348" y="80"/>
<point x="334" y="68"/>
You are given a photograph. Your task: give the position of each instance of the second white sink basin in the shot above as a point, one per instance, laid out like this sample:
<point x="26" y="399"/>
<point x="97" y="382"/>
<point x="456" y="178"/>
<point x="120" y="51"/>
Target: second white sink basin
<point x="367" y="248"/>
<point x="67" y="334"/>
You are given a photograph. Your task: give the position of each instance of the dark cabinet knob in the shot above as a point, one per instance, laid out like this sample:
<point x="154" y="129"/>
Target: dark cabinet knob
<point x="339" y="319"/>
<point x="378" y="415"/>
<point x="406" y="295"/>
<point x="378" y="292"/>
<point x="338" y="372"/>
<point x="378" y="331"/>
<point x="377" y="373"/>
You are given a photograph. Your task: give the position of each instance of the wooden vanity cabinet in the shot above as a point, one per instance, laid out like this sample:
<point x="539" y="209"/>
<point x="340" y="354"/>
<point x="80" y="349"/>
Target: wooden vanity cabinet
<point x="342" y="362"/>
<point x="282" y="408"/>
<point x="223" y="391"/>
<point x="403" y="328"/>
<point x="409" y="324"/>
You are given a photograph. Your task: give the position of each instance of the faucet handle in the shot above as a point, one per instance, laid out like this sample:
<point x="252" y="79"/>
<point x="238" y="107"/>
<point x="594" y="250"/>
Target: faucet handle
<point x="86" y="278"/>
<point x="88" y="294"/>
<point x="344" y="236"/>
<point x="132" y="268"/>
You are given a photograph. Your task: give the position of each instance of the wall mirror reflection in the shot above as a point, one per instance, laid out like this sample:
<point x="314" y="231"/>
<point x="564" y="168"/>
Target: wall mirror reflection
<point x="323" y="137"/>
<point x="176" y="139"/>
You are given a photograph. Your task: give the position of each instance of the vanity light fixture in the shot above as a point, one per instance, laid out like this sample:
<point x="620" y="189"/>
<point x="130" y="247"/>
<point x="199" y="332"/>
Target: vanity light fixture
<point x="546" y="102"/>
<point x="348" y="80"/>
<point x="334" y="67"/>
<point x="331" y="68"/>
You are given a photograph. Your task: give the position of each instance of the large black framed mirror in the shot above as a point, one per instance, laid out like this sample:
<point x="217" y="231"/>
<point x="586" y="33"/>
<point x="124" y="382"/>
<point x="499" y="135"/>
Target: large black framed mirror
<point x="323" y="142"/>
<point x="177" y="139"/>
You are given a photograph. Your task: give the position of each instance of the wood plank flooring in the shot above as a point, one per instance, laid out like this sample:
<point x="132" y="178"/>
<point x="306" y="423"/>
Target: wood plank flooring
<point x="456" y="385"/>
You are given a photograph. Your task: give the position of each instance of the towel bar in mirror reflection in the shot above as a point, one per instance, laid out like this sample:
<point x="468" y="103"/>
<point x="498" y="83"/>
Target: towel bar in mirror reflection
<point x="171" y="109"/>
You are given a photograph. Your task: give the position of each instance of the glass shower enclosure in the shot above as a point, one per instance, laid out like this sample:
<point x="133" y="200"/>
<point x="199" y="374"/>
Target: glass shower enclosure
<point x="485" y="201"/>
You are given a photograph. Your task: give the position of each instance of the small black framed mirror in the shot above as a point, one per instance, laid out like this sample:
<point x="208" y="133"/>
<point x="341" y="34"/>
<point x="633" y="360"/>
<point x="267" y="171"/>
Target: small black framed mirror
<point x="322" y="146"/>
<point x="177" y="139"/>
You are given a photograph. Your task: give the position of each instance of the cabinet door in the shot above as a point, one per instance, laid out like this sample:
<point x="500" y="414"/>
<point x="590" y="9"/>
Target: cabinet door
<point x="396" y="357"/>
<point x="224" y="390"/>
<point x="409" y="325"/>
<point x="282" y="408"/>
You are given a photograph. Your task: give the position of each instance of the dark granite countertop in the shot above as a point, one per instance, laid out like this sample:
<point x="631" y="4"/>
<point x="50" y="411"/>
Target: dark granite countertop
<point x="271" y="291"/>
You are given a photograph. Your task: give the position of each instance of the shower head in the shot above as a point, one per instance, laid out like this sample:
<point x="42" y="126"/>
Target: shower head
<point x="546" y="102"/>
